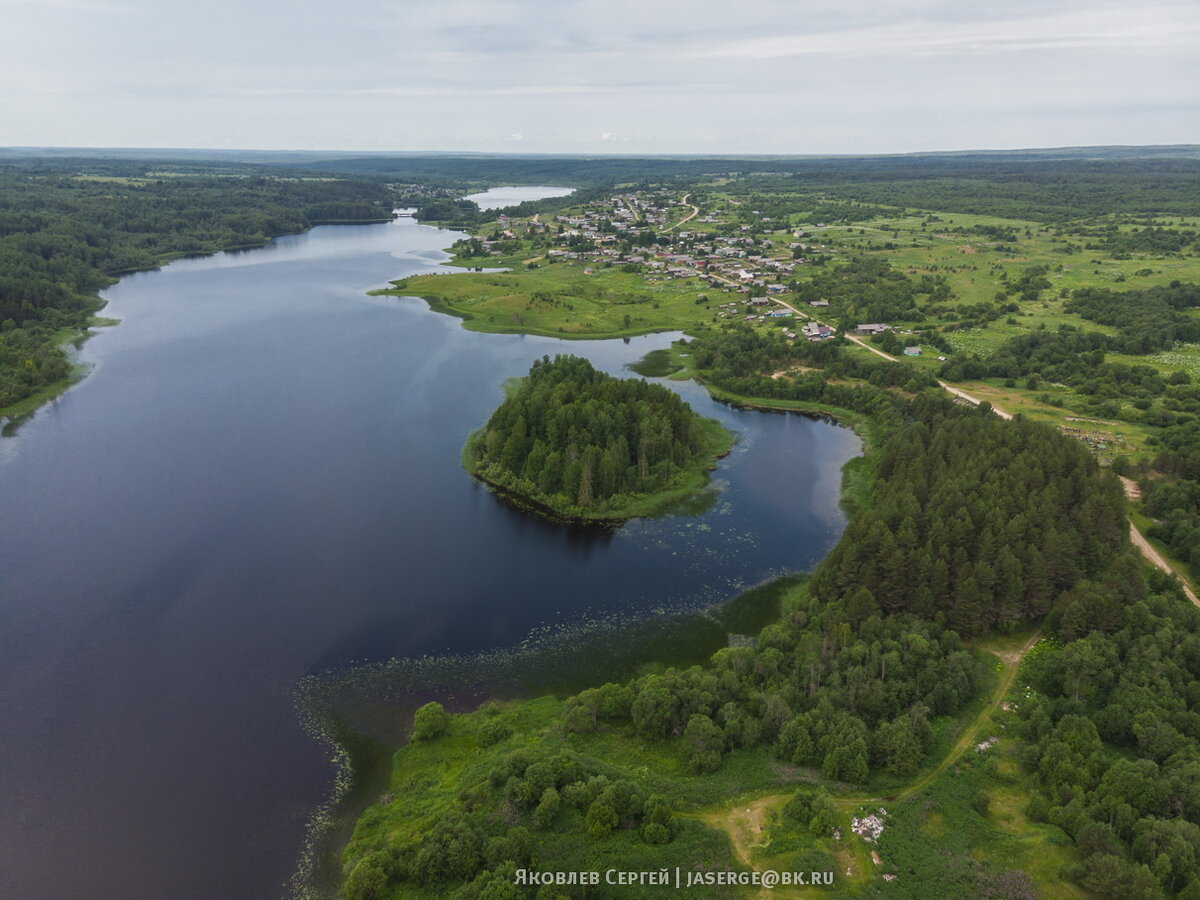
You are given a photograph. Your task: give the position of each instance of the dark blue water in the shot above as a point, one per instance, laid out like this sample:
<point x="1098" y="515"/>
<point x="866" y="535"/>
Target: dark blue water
<point x="260" y="479"/>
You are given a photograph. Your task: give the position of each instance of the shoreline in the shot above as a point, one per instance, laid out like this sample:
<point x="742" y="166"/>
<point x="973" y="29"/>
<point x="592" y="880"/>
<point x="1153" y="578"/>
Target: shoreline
<point x="516" y="673"/>
<point x="351" y="795"/>
<point x="439" y="304"/>
<point x="695" y="482"/>
<point x="16" y="414"/>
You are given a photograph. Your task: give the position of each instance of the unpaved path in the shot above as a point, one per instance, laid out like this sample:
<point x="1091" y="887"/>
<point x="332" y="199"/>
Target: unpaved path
<point x="1156" y="559"/>
<point x="695" y="212"/>
<point x="975" y="401"/>
<point x="1132" y="491"/>
<point x="957" y="392"/>
<point x="1012" y="663"/>
<point x="746" y="821"/>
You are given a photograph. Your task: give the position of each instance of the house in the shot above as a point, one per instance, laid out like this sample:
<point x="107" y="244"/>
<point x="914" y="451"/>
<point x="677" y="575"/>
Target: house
<point x="815" y="331"/>
<point x="872" y="328"/>
<point x="818" y="303"/>
<point x="912" y="351"/>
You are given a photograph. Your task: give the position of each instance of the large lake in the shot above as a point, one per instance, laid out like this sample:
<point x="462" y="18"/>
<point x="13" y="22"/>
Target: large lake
<point x="260" y="480"/>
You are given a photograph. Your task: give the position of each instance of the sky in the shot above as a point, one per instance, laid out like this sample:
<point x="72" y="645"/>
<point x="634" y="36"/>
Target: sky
<point x="599" y="76"/>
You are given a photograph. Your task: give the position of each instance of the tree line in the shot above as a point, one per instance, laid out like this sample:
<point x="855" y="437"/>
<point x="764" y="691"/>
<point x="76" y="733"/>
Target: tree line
<point x="1147" y="321"/>
<point x="761" y="364"/>
<point x="869" y="289"/>
<point x="65" y="235"/>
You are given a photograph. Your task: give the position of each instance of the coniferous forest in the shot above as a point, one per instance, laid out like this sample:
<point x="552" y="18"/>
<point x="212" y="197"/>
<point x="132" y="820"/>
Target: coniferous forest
<point x="983" y="521"/>
<point x="580" y="441"/>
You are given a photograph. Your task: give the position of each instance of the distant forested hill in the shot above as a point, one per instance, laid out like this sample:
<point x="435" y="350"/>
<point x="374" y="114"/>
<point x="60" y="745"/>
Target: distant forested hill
<point x="1050" y="185"/>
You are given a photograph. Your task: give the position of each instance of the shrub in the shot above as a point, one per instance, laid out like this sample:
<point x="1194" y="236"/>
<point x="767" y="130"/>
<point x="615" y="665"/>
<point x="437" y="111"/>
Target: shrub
<point x="430" y="721"/>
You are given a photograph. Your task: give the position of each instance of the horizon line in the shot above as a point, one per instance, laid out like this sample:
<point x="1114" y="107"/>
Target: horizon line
<point x="33" y="149"/>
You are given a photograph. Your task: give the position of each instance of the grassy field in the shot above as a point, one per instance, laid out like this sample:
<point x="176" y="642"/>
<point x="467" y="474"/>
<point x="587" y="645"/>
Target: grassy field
<point x="978" y="269"/>
<point x="561" y="300"/>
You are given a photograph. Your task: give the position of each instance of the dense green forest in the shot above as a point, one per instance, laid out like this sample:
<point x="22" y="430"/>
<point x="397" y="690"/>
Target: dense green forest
<point x="986" y="523"/>
<point x="583" y="442"/>
<point x="1045" y="190"/>
<point x="68" y="228"/>
<point x="1050" y="185"/>
<point x="1112" y="726"/>
<point x="1147" y="320"/>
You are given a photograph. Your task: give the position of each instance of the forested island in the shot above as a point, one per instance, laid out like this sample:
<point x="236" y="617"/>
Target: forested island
<point x="581" y="445"/>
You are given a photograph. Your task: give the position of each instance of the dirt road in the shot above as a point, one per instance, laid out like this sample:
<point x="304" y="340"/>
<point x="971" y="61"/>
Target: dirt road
<point x="746" y="821"/>
<point x="1156" y="559"/>
<point x="1136" y="536"/>
<point x="695" y="212"/>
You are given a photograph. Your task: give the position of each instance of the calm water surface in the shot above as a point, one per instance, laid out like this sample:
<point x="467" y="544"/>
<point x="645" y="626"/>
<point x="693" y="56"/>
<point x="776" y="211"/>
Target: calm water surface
<point x="500" y="197"/>
<point x="260" y="480"/>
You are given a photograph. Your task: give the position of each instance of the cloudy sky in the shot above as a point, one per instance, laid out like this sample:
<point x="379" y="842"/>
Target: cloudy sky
<point x="588" y="76"/>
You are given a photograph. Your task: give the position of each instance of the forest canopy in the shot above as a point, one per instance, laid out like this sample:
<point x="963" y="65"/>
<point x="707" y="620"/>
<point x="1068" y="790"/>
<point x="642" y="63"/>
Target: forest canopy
<point x="586" y="444"/>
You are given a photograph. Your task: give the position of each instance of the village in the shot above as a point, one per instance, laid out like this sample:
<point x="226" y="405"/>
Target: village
<point x="632" y="230"/>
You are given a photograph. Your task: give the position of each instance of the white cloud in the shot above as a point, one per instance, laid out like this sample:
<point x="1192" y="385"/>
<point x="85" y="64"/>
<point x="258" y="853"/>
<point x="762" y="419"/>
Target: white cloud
<point x="1132" y="28"/>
